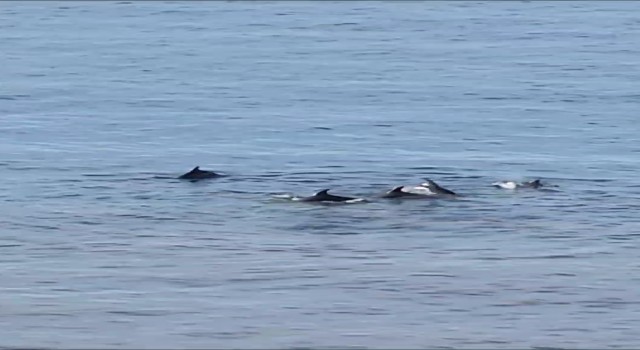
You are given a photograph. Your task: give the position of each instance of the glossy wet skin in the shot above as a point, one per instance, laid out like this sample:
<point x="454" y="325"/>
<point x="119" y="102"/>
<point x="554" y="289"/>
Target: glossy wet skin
<point x="197" y="174"/>
<point x="324" y="196"/>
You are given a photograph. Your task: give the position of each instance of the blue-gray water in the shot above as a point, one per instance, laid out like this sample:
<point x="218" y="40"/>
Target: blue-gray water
<point x="102" y="104"/>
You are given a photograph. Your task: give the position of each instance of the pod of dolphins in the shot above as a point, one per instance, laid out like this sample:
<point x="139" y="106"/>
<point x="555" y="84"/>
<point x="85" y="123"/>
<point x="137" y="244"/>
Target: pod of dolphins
<point x="427" y="189"/>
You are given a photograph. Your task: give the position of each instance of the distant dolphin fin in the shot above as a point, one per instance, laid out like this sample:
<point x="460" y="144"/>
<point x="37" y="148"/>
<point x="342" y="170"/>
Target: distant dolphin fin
<point x="194" y="170"/>
<point x="323" y="192"/>
<point x="397" y="189"/>
<point x="535" y="183"/>
<point x="433" y="186"/>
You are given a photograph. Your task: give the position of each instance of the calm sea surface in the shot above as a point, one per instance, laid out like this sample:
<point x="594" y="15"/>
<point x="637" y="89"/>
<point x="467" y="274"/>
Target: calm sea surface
<point x="103" y="104"/>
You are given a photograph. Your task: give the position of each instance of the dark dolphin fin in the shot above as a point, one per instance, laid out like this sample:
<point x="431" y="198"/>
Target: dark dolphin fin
<point x="395" y="193"/>
<point x="190" y="173"/>
<point x="437" y="188"/>
<point x="324" y="196"/>
<point x="194" y="170"/>
<point x="318" y="196"/>
<point x="197" y="174"/>
<point x="322" y="193"/>
<point x="397" y="189"/>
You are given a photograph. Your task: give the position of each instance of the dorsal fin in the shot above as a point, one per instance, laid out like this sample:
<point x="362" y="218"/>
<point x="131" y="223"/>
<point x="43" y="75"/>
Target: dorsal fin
<point x="397" y="189"/>
<point x="436" y="187"/>
<point x="323" y="192"/>
<point x="430" y="184"/>
<point x="535" y="183"/>
<point x="194" y="170"/>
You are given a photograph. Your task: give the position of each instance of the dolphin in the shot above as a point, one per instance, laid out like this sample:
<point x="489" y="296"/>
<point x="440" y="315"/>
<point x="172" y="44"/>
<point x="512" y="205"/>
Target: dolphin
<point x="512" y="185"/>
<point x="197" y="174"/>
<point x="325" y="196"/>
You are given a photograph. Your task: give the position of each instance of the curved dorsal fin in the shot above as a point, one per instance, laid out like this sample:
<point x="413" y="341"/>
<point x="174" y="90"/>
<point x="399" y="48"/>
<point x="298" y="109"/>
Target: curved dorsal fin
<point x="435" y="187"/>
<point x="535" y="183"/>
<point x="397" y="189"/>
<point x="194" y="170"/>
<point x="323" y="192"/>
